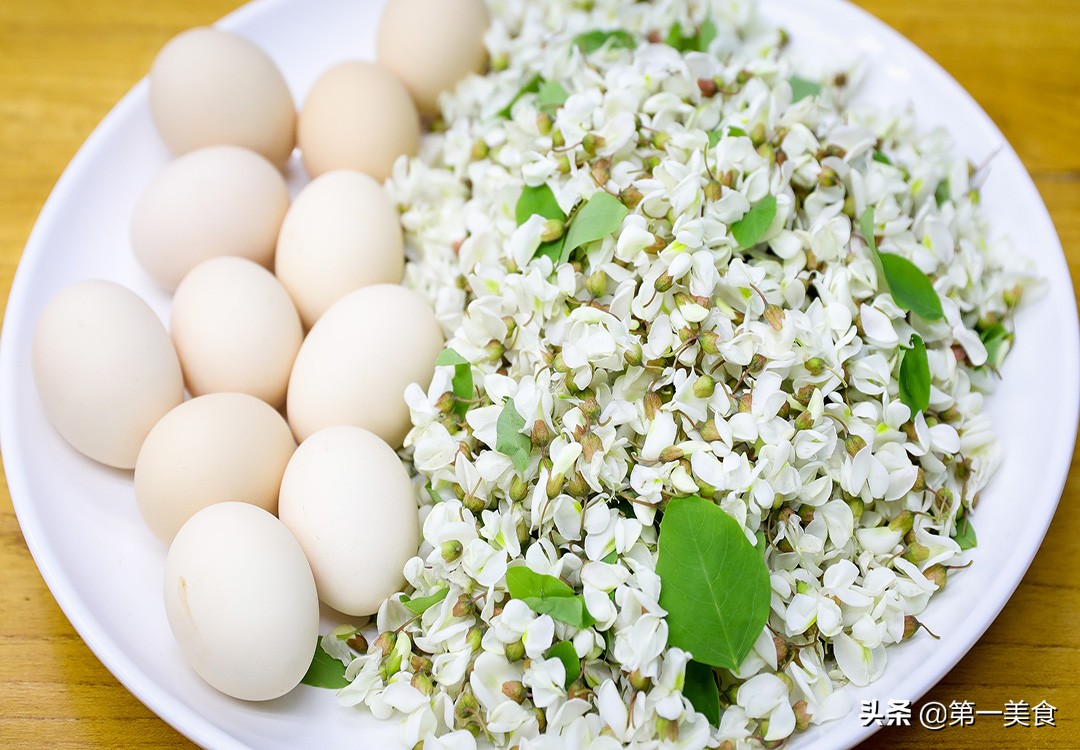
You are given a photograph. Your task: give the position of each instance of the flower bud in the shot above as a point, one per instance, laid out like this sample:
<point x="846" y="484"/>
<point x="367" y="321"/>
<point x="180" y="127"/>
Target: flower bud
<point x="746" y="403"/>
<point x="541" y="434"/>
<point x="631" y="197"/>
<point x="559" y="364"/>
<point x="657" y="246"/>
<point x="479" y="151"/>
<point x="385" y="643"/>
<point x="558" y="140"/>
<point x="652" y="404"/>
<point x="757" y="364"/>
<point x="1012" y="297"/>
<point x="714" y="191"/>
<point x="663" y="282"/>
<point x="544" y="123"/>
<point x="708" y="341"/>
<point x="704" y="387"/>
<point x="358" y="643"/>
<point x="667" y="729"/>
<point x="757" y="134"/>
<point x="632" y="356"/>
<point x="579" y="690"/>
<point x="601" y="171"/>
<point x="518" y="489"/>
<point x="828" y="177"/>
<point x="857" y="508"/>
<point x="591" y="143"/>
<point x="562" y="162"/>
<point x="671" y="453"/>
<point x="515" y="691"/>
<point x="707" y="87"/>
<point x="450" y="550"/>
<point x="464" y="606"/>
<point x="576" y="486"/>
<point x="554" y="485"/>
<point x="916" y="553"/>
<point x="782" y="649"/>
<point x="515" y="651"/>
<point x="474" y="503"/>
<point x="815" y="366"/>
<point x="466" y="704"/>
<point x="494" y="350"/>
<point x="802" y="716"/>
<point x="709" y="431"/>
<point x="553" y="230"/>
<point x="774" y="314"/>
<point x="590" y="407"/>
<point x="591" y="444"/>
<point x="853" y="445"/>
<point x="423" y="683"/>
<point x="596" y="284"/>
<point x="474" y="637"/>
<point x="806" y="514"/>
<point x="920" y="481"/>
<point x="640" y="682"/>
<point x="903" y="522"/>
<point x="649" y="163"/>
<point x="937" y="574"/>
<point x="444" y="404"/>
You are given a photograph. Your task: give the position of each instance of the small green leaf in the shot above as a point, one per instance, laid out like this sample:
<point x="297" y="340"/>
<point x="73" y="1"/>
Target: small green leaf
<point x="965" y="534"/>
<point x="550" y="97"/>
<point x="435" y="496"/>
<point x="566" y="653"/>
<point x="713" y="583"/>
<point x="548" y="595"/>
<point x="424" y="603"/>
<point x="997" y="341"/>
<point x="761" y="541"/>
<point x="942" y="192"/>
<point x="701" y="690"/>
<point x="591" y="41"/>
<point x="601" y="215"/>
<point x="462" y="382"/>
<point x="749" y="230"/>
<point x="881" y="157"/>
<point x="705" y="36"/>
<point x="802" y="88"/>
<point x="531" y="86"/>
<point x="716" y="135"/>
<point x="537" y="200"/>
<point x="508" y="438"/>
<point x="915" y="377"/>
<point x="910" y="288"/>
<point x="611" y="557"/>
<point x="325" y="671"/>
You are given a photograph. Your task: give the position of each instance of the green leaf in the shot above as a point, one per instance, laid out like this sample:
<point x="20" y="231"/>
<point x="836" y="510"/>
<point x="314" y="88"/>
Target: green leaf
<point x="537" y="200"/>
<point x="997" y="340"/>
<point x="713" y="583"/>
<point x="761" y="541"/>
<point x="942" y="192"/>
<point x="325" y="671"/>
<point x="508" y="438"/>
<point x="531" y="86"/>
<point x="701" y="690"/>
<point x="716" y="135"/>
<point x="523" y="582"/>
<point x="566" y="653"/>
<point x="965" y="534"/>
<point x="547" y="595"/>
<point x="910" y="288"/>
<point x="915" y="377"/>
<point x="590" y="41"/>
<point x="462" y="382"/>
<point x="424" y="603"/>
<point x="749" y="230"/>
<point x="550" y="97"/>
<point x="601" y="215"/>
<point x="802" y="88"/>
<point x="881" y="157"/>
<point x="611" y="557"/>
<point x="699" y="41"/>
<point x="706" y="35"/>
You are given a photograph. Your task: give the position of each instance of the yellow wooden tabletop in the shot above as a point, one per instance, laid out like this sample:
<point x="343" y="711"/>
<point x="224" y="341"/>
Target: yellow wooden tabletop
<point x="65" y="63"/>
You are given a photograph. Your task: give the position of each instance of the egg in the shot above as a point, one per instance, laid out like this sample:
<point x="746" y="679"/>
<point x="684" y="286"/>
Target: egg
<point x="432" y="44"/>
<point x="357" y="360"/>
<point x="220" y="200"/>
<point x="105" y="370"/>
<point x="224" y="447"/>
<point x="210" y="87"/>
<point x="235" y="329"/>
<point x="241" y="601"/>
<point x="348" y="500"/>
<point x="341" y="233"/>
<point x="357" y="116"/>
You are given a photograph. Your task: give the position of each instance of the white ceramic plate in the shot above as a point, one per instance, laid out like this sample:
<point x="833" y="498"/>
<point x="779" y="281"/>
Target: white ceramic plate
<point x="104" y="568"/>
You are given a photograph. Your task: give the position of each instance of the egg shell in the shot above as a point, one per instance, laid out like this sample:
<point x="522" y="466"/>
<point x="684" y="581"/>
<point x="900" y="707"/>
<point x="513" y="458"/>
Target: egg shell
<point x="220" y="200"/>
<point x="211" y="87"/>
<point x="105" y="370"/>
<point x="224" y="447"/>
<point x="357" y="116"/>
<point x="340" y="234"/>
<point x="432" y="44"/>
<point x="240" y="599"/>
<point x="235" y="329"/>
<point x="348" y="500"/>
<point x="358" y="359"/>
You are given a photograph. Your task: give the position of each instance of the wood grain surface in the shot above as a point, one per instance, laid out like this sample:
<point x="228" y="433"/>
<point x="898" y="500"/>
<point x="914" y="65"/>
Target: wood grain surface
<point x="65" y="63"/>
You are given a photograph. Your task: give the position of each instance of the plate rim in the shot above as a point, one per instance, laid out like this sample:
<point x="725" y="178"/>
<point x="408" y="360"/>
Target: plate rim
<point x="203" y="730"/>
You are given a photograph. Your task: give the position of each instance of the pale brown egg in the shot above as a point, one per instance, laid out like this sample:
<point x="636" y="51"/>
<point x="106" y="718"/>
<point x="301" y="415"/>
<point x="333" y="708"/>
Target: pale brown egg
<point x="357" y="116"/>
<point x="341" y="233"/>
<point x="219" y="200"/>
<point x="210" y="87"/>
<point x="432" y="44"/>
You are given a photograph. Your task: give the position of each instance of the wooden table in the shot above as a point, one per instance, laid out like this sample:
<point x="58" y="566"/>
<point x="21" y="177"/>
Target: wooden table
<point x="65" y="63"/>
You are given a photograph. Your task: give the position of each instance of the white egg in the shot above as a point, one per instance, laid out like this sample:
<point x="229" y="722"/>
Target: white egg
<point x="357" y="116"/>
<point x="220" y="200"/>
<point x="355" y="364"/>
<point x="225" y="447"/>
<point x="340" y="234"/>
<point x="241" y="601"/>
<point x="432" y="44"/>
<point x="348" y="499"/>
<point x="235" y="329"/>
<point x="209" y="87"/>
<point x="105" y="370"/>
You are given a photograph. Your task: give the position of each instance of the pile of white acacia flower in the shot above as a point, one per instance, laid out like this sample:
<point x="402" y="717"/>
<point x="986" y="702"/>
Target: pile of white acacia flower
<point x="719" y="325"/>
